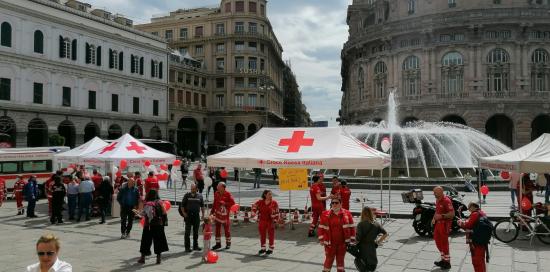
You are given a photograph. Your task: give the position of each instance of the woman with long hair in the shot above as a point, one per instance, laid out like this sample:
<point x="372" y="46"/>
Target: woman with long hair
<point x="268" y="212"/>
<point x="153" y="227"/>
<point x="368" y="239"/>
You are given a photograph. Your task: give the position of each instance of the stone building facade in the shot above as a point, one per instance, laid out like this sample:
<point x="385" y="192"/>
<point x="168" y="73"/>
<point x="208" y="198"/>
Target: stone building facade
<point x="295" y="111"/>
<point x="242" y="67"/>
<point x="483" y="63"/>
<point x="80" y="74"/>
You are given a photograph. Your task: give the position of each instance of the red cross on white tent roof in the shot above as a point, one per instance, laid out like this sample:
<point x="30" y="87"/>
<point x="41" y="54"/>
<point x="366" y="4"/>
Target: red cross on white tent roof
<point x="296" y="142"/>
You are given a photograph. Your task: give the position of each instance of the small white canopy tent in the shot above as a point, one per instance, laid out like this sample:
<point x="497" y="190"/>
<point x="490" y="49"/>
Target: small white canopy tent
<point x="531" y="158"/>
<point x="130" y="149"/>
<point x="330" y="148"/>
<point x="75" y="155"/>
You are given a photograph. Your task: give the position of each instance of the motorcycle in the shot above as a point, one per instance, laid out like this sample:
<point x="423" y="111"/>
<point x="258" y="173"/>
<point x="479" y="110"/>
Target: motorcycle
<point x="424" y="212"/>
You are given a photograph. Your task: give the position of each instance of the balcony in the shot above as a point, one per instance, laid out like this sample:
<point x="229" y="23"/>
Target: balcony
<point x="544" y="94"/>
<point x="248" y="108"/>
<point x="457" y="95"/>
<point x="503" y="94"/>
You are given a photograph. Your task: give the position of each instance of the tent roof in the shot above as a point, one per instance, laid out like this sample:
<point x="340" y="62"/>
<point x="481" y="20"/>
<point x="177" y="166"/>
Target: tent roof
<point x="301" y="148"/>
<point x="74" y="155"/>
<point x="533" y="157"/>
<point x="130" y="149"/>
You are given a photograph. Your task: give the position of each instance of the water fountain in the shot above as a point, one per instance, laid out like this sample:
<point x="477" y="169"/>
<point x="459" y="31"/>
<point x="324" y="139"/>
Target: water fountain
<point x="429" y="150"/>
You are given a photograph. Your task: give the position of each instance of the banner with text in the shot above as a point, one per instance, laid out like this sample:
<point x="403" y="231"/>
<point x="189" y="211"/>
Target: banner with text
<point x="291" y="179"/>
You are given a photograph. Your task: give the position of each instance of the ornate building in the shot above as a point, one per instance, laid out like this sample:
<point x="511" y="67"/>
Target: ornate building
<point x="240" y="87"/>
<point x="483" y="63"/>
<point x="295" y="111"/>
<point x="80" y="74"/>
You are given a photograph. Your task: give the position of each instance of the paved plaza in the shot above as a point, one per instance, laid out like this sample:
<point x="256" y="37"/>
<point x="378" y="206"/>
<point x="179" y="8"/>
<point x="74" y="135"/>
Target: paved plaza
<point x="89" y="246"/>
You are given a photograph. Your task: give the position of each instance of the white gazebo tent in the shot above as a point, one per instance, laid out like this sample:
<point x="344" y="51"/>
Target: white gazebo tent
<point x="311" y="148"/>
<point x="76" y="154"/>
<point x="531" y="158"/>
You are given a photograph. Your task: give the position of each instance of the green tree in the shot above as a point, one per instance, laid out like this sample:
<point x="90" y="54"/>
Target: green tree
<point x="57" y="140"/>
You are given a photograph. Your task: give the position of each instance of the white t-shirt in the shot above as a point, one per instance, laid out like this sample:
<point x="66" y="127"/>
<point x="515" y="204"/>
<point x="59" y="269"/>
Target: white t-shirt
<point x="58" y="266"/>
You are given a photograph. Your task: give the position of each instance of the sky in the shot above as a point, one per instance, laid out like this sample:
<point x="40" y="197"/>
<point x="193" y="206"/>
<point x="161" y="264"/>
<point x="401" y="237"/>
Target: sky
<point x="312" y="33"/>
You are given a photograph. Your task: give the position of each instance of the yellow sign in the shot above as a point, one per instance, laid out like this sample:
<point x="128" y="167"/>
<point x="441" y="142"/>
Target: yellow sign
<point x="291" y="179"/>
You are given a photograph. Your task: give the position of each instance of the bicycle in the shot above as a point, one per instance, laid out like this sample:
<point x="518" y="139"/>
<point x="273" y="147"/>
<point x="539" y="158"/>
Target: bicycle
<point x="507" y="230"/>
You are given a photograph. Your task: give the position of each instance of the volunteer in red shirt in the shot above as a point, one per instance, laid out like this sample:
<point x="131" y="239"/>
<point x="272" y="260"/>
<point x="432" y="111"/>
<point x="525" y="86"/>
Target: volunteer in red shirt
<point x="335" y="186"/>
<point x="268" y="213"/>
<point x="323" y="188"/>
<point x="18" y="191"/>
<point x="96" y="178"/>
<point x="151" y="183"/>
<point x="3" y="191"/>
<point x="48" y="188"/>
<point x="476" y="251"/>
<point x="223" y="201"/>
<point x="442" y="221"/>
<point x="345" y="194"/>
<point x="317" y="203"/>
<point x="336" y="231"/>
<point x="139" y="182"/>
<point x="199" y="178"/>
<point x="223" y="175"/>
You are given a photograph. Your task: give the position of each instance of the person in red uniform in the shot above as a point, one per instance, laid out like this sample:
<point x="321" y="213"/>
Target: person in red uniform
<point x="323" y="188"/>
<point x="442" y="221"/>
<point x="3" y="191"/>
<point x="336" y="231"/>
<point x="268" y="214"/>
<point x="223" y="201"/>
<point x="96" y="178"/>
<point x="345" y="194"/>
<point x="18" y="191"/>
<point x="199" y="178"/>
<point x="139" y="182"/>
<point x="335" y="186"/>
<point x="48" y="188"/>
<point x="151" y="183"/>
<point x="477" y="251"/>
<point x="317" y="203"/>
<point x="527" y="189"/>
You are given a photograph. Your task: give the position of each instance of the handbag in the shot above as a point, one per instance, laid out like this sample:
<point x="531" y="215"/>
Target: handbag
<point x="353" y="249"/>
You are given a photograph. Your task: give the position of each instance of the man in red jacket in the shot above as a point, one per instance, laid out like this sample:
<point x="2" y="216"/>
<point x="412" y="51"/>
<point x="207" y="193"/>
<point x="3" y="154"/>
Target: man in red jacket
<point x="336" y="231"/>
<point x="18" y="191"/>
<point x="442" y="221"/>
<point x="268" y="210"/>
<point x="223" y="201"/>
<point x="151" y="183"/>
<point x="317" y="203"/>
<point x="476" y="251"/>
<point x="48" y="189"/>
<point x="199" y="178"/>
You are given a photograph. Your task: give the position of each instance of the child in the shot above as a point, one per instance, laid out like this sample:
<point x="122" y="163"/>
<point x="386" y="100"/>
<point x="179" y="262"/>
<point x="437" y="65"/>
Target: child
<point x="207" y="235"/>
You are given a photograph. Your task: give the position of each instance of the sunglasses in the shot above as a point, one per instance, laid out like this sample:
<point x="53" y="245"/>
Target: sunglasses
<point x="42" y="253"/>
<point x="334" y="203"/>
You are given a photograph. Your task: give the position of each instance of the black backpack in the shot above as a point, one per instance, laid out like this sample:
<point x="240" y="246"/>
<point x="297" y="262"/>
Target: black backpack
<point x="482" y="231"/>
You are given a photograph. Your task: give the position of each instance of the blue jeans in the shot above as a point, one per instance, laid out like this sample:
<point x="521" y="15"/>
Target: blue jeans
<point x="513" y="194"/>
<point x="84" y="202"/>
<point x="257" y="180"/>
<point x="72" y="200"/>
<point x="547" y="195"/>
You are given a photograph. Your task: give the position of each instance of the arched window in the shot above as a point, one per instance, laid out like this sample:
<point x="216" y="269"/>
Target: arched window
<point x="380" y="79"/>
<point x="412" y="6"/>
<point x="361" y="83"/>
<point x="452" y="74"/>
<point x="411" y="76"/>
<point x="498" y="71"/>
<point x="38" y="42"/>
<point x="65" y="48"/>
<point x="540" y="74"/>
<point x="5" y="34"/>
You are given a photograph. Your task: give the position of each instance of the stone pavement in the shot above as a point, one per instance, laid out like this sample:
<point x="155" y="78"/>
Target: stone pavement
<point x="89" y="246"/>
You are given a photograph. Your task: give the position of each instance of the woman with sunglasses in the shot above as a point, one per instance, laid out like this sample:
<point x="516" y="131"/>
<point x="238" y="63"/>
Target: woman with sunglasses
<point x="336" y="231"/>
<point x="47" y="249"/>
<point x="268" y="213"/>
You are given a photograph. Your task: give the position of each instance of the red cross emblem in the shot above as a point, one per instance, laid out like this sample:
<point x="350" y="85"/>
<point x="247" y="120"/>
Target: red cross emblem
<point x="135" y="147"/>
<point x="108" y="148"/>
<point x="296" y="142"/>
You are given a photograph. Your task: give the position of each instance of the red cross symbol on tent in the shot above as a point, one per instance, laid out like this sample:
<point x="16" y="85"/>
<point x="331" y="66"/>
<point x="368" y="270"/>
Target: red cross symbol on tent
<point x="108" y="148"/>
<point x="135" y="147"/>
<point x="296" y="141"/>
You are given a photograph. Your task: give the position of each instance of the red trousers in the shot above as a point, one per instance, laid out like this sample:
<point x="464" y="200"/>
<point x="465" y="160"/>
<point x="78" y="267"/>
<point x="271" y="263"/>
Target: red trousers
<point x="19" y="200"/>
<point x="226" y="229"/>
<point x="478" y="257"/>
<point x="337" y="251"/>
<point x="441" y="237"/>
<point x="315" y="215"/>
<point x="267" y="228"/>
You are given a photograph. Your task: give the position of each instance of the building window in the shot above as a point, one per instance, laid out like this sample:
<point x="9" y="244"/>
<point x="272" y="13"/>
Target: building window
<point x="181" y="75"/>
<point x="199" y="50"/>
<point x="411" y="76"/>
<point x="540" y="71"/>
<point x="38" y="93"/>
<point x="66" y="99"/>
<point x="239" y="63"/>
<point x="183" y="33"/>
<point x="135" y="108"/>
<point x="169" y="35"/>
<point x="451" y="37"/>
<point x="253" y="28"/>
<point x="188" y="79"/>
<point x="452" y="73"/>
<point x="380" y="79"/>
<point x="498" y="71"/>
<point x="239" y="6"/>
<point x="188" y="98"/>
<point x="220" y="64"/>
<point x="452" y="3"/>
<point x="183" y="51"/>
<point x="220" y="101"/>
<point x="262" y="10"/>
<point x="195" y="99"/>
<point x="198" y="31"/>
<point x="5" y="34"/>
<point x="114" y="102"/>
<point x="120" y="61"/>
<point x="154" y="68"/>
<point x="91" y="100"/>
<point x="539" y="35"/>
<point x="498" y="35"/>
<point x="252" y="83"/>
<point x="262" y="100"/>
<point x="134" y="68"/>
<point x="239" y="27"/>
<point x="228" y="7"/>
<point x="220" y="47"/>
<point x="155" y="33"/>
<point x="239" y="100"/>
<point x="38" y="42"/>
<point x="239" y="46"/>
<point x="65" y="48"/>
<point x="155" y="108"/>
<point x="252" y="100"/>
<point x="239" y="82"/>
<point x="220" y="83"/>
<point x="203" y="100"/>
<point x="181" y="97"/>
<point x="113" y="59"/>
<point x="412" y="6"/>
<point x="220" y="29"/>
<point x="252" y="63"/>
<point x="262" y="65"/>
<point x="361" y="83"/>
<point x="196" y="81"/>
<point x="252" y="7"/>
<point x="5" y="89"/>
<point x="253" y="46"/>
<point x="171" y="96"/>
<point x="203" y="82"/>
<point x="91" y="57"/>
